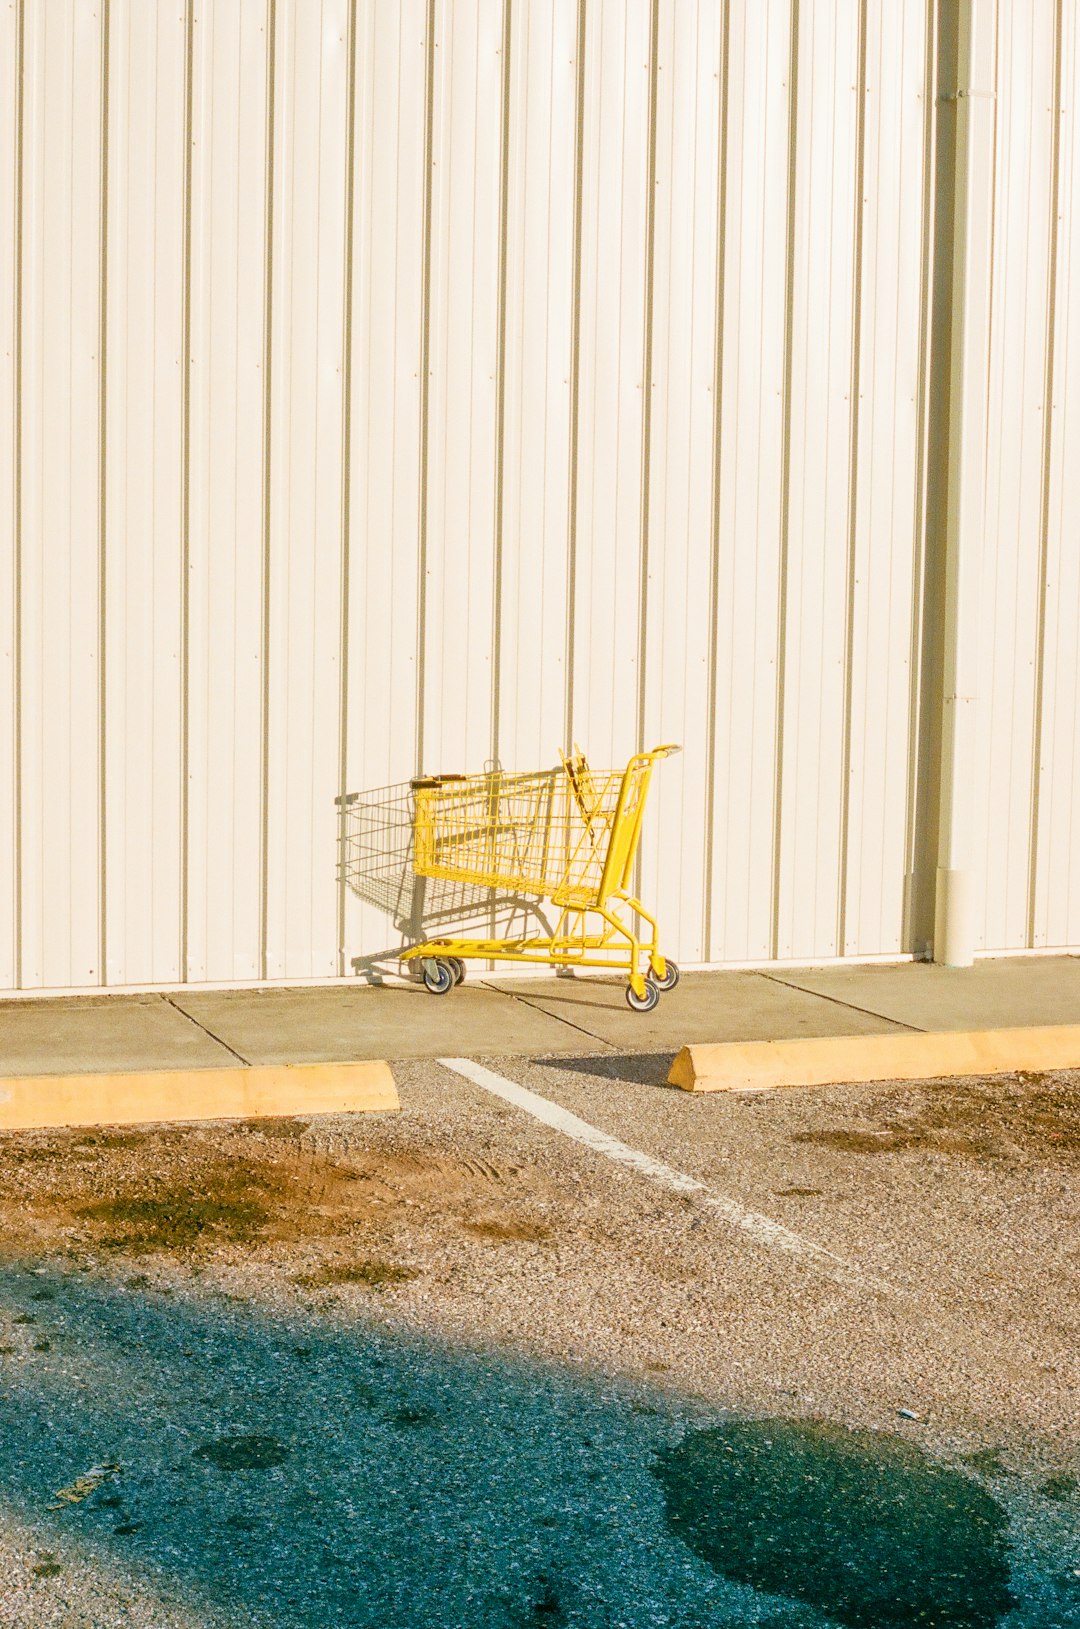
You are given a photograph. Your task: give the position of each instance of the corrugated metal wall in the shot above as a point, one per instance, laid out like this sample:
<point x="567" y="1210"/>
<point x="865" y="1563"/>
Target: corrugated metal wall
<point x="1030" y="685"/>
<point x="407" y="384"/>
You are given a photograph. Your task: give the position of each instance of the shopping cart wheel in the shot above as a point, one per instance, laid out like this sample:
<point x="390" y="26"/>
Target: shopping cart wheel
<point x="670" y="978"/>
<point x="644" y="1003"/>
<point x="439" y="976"/>
<point x="458" y="966"/>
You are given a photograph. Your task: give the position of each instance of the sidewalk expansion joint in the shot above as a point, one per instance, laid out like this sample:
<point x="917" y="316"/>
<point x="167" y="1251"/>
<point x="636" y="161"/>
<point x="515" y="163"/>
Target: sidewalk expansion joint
<point x="534" y="1006"/>
<point x="208" y="1032"/>
<point x="867" y="1012"/>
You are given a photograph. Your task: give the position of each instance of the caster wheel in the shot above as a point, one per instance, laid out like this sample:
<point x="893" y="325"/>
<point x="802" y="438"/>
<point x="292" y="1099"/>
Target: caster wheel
<point x="439" y="976"/>
<point x="644" y="1003"/>
<point x="458" y="968"/>
<point x="670" y="978"/>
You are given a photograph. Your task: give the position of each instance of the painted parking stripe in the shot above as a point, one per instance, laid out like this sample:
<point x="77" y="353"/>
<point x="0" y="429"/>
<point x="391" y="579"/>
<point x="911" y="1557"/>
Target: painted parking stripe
<point x="762" y="1229"/>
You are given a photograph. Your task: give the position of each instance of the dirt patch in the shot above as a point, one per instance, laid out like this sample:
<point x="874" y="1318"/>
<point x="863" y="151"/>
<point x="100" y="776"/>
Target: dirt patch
<point x="250" y="1190"/>
<point x="993" y="1119"/>
<point x="373" y="1273"/>
<point x="283" y="1129"/>
<point x="108" y="1139"/>
<point x="390" y="1174"/>
<point x="509" y="1230"/>
<point x="230" y="1203"/>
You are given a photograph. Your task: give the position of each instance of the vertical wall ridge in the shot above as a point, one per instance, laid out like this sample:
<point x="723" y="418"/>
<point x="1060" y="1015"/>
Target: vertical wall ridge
<point x="1044" y="489"/>
<point x="346" y="477"/>
<point x="185" y="491"/>
<point x="785" y="476"/>
<point x="17" y="498"/>
<point x="500" y="386"/>
<point x="267" y="450"/>
<point x="853" y="486"/>
<point x="575" y="378"/>
<point x="714" y="534"/>
<point x="647" y="376"/>
<point x="425" y="387"/>
<point x="102" y="462"/>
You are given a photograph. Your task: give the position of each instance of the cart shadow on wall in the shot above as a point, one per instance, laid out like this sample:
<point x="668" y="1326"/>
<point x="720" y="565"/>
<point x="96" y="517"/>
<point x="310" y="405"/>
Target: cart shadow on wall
<point x="376" y="854"/>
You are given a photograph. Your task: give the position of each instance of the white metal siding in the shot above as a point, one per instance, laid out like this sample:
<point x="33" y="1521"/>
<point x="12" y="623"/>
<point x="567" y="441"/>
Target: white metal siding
<point x="61" y="660"/>
<point x="412" y="384"/>
<point x="9" y="506"/>
<point x="1056" y="893"/>
<point x="1030" y="682"/>
<point x="886" y="542"/>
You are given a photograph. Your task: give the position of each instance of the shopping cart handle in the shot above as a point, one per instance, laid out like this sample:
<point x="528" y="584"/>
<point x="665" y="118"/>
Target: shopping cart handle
<point x="667" y="751"/>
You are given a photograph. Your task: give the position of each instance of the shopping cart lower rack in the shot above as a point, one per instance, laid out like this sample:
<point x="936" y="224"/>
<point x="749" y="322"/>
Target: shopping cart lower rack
<point x="569" y="835"/>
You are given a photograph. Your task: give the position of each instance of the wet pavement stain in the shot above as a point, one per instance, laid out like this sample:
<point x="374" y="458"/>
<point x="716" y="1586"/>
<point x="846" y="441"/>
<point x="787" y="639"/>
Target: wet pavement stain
<point x="547" y="1609"/>
<point x="244" y="1453"/>
<point x="416" y="1416"/>
<point x="864" y="1527"/>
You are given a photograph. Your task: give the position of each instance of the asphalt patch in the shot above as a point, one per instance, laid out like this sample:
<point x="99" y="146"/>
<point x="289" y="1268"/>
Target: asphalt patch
<point x="861" y="1526"/>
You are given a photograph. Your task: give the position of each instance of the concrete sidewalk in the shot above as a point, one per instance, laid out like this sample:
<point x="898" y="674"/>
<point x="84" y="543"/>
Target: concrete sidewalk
<point x="193" y="1029"/>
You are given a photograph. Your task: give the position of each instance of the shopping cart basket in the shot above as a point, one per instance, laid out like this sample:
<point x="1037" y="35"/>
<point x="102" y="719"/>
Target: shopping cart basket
<point x="569" y="835"/>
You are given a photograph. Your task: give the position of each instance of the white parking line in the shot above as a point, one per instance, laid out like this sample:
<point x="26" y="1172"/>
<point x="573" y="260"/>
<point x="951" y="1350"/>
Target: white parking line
<point x="762" y="1229"/>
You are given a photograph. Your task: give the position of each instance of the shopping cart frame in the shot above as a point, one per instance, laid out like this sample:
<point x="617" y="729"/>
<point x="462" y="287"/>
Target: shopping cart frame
<point x="619" y="945"/>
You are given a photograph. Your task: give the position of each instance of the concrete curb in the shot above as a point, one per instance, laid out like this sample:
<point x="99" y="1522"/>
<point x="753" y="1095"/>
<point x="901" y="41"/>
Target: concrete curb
<point x="30" y="1102"/>
<point x="848" y="1059"/>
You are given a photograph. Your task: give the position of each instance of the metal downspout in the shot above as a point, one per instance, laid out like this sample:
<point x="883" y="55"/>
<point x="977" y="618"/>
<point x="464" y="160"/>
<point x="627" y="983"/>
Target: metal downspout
<point x="972" y="104"/>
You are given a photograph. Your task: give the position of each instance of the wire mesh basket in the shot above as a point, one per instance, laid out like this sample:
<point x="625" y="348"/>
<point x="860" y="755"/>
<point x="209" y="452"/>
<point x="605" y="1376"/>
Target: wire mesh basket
<point x="569" y="835"/>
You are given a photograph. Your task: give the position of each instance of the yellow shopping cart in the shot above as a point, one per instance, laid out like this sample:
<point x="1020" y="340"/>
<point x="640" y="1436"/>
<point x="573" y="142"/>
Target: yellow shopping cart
<point x="569" y="835"/>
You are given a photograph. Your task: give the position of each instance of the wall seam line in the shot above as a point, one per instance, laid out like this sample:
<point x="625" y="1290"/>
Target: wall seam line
<point x="102" y="515"/>
<point x="1039" y="678"/>
<point x="785" y="479"/>
<point x="267" y="402"/>
<point x="185" y="494"/>
<point x="575" y="377"/>
<point x="346" y="479"/>
<point x="853" y="485"/>
<point x="714" y="540"/>
<point x="17" y="572"/>
<point x="500" y="386"/>
<point x="652" y="181"/>
<point x="425" y="382"/>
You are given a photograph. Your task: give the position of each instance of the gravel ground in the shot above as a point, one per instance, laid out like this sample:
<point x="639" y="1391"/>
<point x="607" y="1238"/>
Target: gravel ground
<point x="450" y="1368"/>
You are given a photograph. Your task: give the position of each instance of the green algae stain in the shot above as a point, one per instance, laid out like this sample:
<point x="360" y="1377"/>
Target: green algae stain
<point x="864" y="1528"/>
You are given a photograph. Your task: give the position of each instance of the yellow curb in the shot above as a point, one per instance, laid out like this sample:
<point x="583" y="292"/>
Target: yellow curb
<point x="845" y="1059"/>
<point x="29" y="1102"/>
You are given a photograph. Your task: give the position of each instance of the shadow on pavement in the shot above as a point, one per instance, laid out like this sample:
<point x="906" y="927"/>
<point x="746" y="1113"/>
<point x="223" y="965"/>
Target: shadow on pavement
<point x="637" y="1068"/>
<point x="312" y="1476"/>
